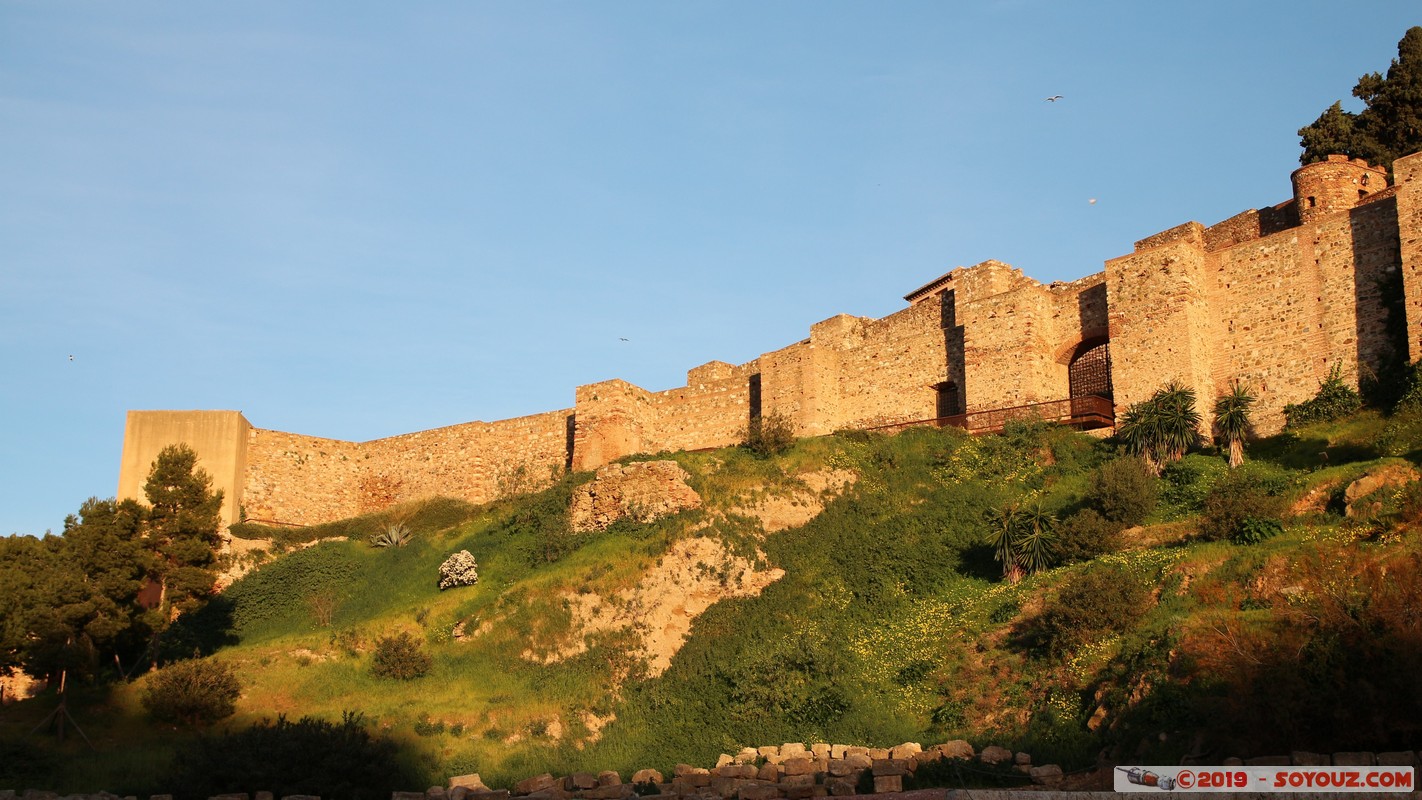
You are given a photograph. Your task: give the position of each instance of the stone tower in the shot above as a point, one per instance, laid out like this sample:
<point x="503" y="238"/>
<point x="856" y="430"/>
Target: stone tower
<point x="1338" y="184"/>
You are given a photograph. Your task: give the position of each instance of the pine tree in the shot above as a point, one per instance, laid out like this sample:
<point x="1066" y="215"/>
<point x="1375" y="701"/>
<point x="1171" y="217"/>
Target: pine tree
<point x="69" y="604"/>
<point x="25" y="565"/>
<point x="48" y="608"/>
<point x="1389" y="127"/>
<point x="1393" y="119"/>
<point x="105" y="545"/>
<point x="182" y="530"/>
<point x="1332" y="132"/>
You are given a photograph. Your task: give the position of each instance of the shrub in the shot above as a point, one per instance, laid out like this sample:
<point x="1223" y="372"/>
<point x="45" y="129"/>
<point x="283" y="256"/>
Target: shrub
<point x="1409" y="504"/>
<point x="769" y="435"/>
<point x="347" y="641"/>
<point x="1086" y="535"/>
<point x="949" y="715"/>
<point x="459" y="569"/>
<point x="1253" y="530"/>
<point x="275" y="597"/>
<point x="1252" y="492"/>
<point x="24" y="763"/>
<point x="1124" y="491"/>
<point x="954" y="773"/>
<point x="193" y="693"/>
<point x="1186" y="483"/>
<point x="323" y="605"/>
<point x="400" y="657"/>
<point x="1402" y="434"/>
<point x="539" y="522"/>
<point x="1335" y="662"/>
<point x="1103" y="599"/>
<point x="1335" y="399"/>
<point x="1410" y="390"/>
<point x="312" y="757"/>
<point x="514" y="480"/>
<point x="1008" y="609"/>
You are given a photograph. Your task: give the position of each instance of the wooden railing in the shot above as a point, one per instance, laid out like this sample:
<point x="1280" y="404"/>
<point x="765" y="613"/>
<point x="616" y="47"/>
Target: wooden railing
<point x="1084" y="413"/>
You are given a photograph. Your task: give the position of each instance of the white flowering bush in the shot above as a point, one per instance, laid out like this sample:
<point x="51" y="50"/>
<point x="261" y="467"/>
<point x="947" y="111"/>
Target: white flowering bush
<point x="459" y="569"/>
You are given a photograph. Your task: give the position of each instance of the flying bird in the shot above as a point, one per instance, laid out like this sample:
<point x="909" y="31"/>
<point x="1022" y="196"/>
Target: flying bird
<point x="623" y="338"/>
<point x="1054" y="98"/>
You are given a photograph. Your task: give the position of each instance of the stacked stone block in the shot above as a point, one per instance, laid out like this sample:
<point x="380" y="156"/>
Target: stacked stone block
<point x="791" y="771"/>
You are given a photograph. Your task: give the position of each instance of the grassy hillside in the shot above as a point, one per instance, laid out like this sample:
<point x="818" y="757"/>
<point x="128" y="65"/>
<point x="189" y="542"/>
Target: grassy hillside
<point x="892" y="621"/>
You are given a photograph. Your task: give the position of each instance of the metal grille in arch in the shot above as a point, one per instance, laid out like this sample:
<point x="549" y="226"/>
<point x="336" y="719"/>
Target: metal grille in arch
<point x="1090" y="371"/>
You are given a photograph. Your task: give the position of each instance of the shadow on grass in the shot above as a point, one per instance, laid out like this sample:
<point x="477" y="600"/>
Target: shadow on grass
<point x="118" y="751"/>
<point x="1309" y="452"/>
<point x="979" y="562"/>
<point x="201" y="632"/>
<point x="342" y="761"/>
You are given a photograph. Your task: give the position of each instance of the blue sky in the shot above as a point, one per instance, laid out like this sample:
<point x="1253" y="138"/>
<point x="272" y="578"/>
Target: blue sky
<point x="354" y="219"/>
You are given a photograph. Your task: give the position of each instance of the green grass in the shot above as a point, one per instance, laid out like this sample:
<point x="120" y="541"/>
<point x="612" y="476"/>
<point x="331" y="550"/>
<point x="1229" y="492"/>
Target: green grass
<point x="433" y="515"/>
<point x="892" y="622"/>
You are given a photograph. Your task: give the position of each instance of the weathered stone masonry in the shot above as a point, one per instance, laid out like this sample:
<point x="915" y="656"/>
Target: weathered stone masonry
<point x="1276" y="297"/>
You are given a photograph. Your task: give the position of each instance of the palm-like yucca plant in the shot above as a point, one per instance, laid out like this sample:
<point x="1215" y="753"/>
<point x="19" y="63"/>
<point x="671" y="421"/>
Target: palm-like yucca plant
<point x="1179" y="426"/>
<point x="1232" y="425"/>
<point x="1162" y="428"/>
<point x="1134" y="431"/>
<point x="1003" y="526"/>
<point x="1036" y="541"/>
<point x="396" y="534"/>
<point x="1022" y="540"/>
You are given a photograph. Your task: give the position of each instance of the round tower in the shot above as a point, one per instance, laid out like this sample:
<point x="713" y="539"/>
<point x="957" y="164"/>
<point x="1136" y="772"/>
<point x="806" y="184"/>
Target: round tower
<point x="1338" y="184"/>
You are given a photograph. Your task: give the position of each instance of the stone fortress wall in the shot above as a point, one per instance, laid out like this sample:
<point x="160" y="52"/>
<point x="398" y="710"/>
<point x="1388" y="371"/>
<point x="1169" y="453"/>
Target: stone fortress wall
<point x="1276" y="297"/>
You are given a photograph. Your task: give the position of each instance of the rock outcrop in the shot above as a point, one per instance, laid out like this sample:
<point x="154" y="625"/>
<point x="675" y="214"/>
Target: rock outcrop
<point x="694" y="574"/>
<point x="1381" y="477"/>
<point x="644" y="491"/>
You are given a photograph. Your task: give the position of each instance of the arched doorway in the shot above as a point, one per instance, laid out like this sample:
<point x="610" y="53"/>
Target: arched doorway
<point x="1089" y="372"/>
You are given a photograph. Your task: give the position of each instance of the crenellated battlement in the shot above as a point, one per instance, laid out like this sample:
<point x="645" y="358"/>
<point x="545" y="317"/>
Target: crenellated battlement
<point x="1336" y="185"/>
<point x="1275" y="297"/>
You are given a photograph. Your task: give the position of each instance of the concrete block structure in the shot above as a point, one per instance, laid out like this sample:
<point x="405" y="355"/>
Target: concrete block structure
<point x="1276" y="297"/>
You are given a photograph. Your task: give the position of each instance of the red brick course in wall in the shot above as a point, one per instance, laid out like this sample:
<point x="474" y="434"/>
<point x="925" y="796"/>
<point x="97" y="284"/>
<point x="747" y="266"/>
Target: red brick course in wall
<point x="1275" y="297"/>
